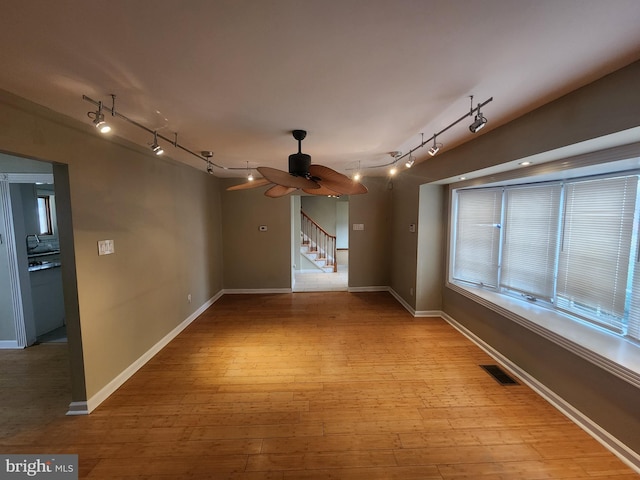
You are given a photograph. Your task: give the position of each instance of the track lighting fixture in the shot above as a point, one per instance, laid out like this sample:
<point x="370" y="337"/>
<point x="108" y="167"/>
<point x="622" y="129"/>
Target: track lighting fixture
<point x="249" y="174"/>
<point x="479" y="121"/>
<point x="98" y="120"/>
<point x="396" y="156"/>
<point x="155" y="148"/>
<point x="357" y="176"/>
<point x="435" y="148"/>
<point x="409" y="163"/>
<point x="207" y="154"/>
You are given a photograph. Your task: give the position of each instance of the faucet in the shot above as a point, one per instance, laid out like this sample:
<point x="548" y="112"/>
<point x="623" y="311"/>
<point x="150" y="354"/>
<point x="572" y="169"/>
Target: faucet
<point x="27" y="240"/>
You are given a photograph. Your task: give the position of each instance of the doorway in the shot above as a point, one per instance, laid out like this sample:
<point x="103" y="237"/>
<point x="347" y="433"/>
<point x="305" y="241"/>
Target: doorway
<point x="34" y="244"/>
<point x="331" y="215"/>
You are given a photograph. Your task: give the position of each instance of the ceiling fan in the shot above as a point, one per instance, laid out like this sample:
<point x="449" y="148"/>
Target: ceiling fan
<point x="302" y="175"/>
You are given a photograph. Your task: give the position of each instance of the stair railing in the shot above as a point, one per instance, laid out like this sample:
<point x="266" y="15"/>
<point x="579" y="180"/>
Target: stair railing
<point x="318" y="241"/>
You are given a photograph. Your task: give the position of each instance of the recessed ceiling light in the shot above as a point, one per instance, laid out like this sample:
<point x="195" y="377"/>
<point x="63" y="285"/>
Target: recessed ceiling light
<point x="524" y="164"/>
<point x="462" y="178"/>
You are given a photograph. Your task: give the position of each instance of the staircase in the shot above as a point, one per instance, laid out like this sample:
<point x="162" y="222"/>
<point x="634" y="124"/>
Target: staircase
<point x="317" y="245"/>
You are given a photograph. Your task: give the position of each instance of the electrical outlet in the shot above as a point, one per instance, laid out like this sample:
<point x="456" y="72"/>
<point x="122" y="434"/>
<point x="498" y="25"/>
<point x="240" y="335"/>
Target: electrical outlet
<point x="189" y="298"/>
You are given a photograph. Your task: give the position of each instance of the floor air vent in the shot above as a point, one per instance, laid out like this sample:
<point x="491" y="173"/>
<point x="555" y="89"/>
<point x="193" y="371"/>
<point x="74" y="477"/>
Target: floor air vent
<point x="499" y="375"/>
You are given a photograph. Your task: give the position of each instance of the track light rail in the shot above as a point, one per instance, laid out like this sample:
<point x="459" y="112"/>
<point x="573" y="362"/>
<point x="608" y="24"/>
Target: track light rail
<point x="433" y="137"/>
<point x="173" y="141"/>
<point x="207" y="159"/>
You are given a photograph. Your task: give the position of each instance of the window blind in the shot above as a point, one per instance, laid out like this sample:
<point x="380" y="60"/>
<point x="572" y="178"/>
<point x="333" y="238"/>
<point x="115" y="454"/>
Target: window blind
<point x="633" y="326"/>
<point x="477" y="244"/>
<point x="530" y="239"/>
<point x="595" y="248"/>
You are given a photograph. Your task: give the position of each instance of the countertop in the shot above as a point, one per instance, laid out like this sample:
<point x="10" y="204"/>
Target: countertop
<point x="37" y="266"/>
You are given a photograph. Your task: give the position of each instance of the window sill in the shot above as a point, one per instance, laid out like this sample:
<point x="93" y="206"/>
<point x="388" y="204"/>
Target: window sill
<point x="615" y="354"/>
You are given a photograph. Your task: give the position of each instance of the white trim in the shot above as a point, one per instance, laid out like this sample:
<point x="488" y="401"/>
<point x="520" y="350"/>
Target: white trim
<point x="256" y="291"/>
<point x="412" y="311"/>
<point x="14" y="271"/>
<point x="118" y="381"/>
<point x="402" y="302"/>
<point x="613" y="353"/>
<point x="9" y="344"/>
<point x="368" y="289"/>
<point x="611" y="443"/>
<point x="78" y="408"/>
<point x="428" y="314"/>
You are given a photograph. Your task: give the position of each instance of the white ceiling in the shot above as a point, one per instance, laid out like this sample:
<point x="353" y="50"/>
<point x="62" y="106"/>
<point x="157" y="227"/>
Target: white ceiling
<point x="364" y="77"/>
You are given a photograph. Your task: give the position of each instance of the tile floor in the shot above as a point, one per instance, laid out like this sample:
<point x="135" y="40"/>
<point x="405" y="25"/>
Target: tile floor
<point x="312" y="281"/>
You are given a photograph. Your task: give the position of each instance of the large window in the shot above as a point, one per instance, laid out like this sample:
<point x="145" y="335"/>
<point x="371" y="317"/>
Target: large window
<point x="570" y="246"/>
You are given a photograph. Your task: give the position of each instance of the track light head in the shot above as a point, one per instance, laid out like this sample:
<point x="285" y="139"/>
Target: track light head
<point x="479" y="123"/>
<point x="435" y="148"/>
<point x="155" y="148"/>
<point x="98" y="120"/>
<point x="101" y="125"/>
<point x="409" y="163"/>
<point x="208" y="154"/>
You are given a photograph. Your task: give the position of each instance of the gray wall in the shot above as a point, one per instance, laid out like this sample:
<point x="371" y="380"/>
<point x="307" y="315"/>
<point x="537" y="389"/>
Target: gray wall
<point x="255" y="259"/>
<point x="262" y="260"/>
<point x="606" y="106"/>
<point x="370" y="250"/>
<point x="164" y="218"/>
<point x="322" y="210"/>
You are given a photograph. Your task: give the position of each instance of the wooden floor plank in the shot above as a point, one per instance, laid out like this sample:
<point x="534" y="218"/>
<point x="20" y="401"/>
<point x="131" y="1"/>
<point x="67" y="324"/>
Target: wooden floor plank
<point x="302" y="386"/>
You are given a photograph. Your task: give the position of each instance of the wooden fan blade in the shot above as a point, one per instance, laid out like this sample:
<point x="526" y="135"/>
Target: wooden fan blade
<point x="279" y="191"/>
<point x="335" y="181"/>
<point x="286" y="179"/>
<point x="324" y="191"/>
<point x="254" y="184"/>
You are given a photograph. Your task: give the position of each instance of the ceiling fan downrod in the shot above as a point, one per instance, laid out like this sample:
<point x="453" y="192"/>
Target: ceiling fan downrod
<point x="299" y="162"/>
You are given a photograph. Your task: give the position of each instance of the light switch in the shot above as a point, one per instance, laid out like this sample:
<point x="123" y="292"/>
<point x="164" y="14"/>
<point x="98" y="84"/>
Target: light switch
<point x="105" y="247"/>
<point x="358" y="226"/>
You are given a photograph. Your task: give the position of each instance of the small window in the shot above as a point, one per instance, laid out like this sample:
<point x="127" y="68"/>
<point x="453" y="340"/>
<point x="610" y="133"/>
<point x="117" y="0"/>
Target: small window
<point x="44" y="215"/>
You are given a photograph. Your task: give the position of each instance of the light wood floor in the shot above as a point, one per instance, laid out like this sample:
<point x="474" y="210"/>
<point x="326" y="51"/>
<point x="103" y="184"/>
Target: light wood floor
<point x="308" y="386"/>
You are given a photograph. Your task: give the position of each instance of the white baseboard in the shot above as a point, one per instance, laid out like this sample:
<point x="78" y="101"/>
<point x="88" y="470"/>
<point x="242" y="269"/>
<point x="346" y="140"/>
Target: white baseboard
<point x="615" y="446"/>
<point x="83" y="408"/>
<point x="254" y="291"/>
<point x="402" y="302"/>
<point x="368" y="289"/>
<point x="411" y="310"/>
<point x="78" y="408"/>
<point x="9" y="344"/>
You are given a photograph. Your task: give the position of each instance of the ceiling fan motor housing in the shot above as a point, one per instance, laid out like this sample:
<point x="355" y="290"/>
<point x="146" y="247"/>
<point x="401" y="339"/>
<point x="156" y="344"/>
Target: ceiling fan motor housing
<point x="299" y="164"/>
